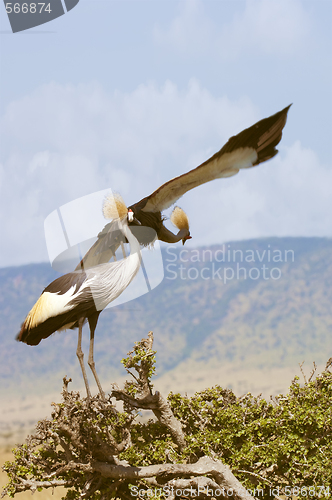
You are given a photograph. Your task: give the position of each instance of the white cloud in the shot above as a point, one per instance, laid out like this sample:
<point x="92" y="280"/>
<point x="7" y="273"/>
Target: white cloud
<point x="297" y="194"/>
<point x="268" y="27"/>
<point x="64" y="142"/>
<point x="262" y="27"/>
<point x="191" y="31"/>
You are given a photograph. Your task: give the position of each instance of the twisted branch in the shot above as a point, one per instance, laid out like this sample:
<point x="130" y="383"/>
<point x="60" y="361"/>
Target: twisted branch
<point x="80" y="446"/>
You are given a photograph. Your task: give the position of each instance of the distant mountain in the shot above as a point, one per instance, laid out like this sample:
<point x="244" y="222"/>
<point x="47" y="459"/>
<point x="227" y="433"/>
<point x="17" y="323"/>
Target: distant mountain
<point x="264" y="303"/>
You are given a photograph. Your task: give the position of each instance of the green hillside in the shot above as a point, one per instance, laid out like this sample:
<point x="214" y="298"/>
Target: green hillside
<point x="264" y="302"/>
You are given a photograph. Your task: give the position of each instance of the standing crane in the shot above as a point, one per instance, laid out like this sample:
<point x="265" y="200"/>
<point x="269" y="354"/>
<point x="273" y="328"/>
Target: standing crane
<point x="250" y="147"/>
<point x="81" y="295"/>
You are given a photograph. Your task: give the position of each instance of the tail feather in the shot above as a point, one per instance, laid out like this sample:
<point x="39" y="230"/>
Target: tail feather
<point x="33" y="336"/>
<point x="28" y="336"/>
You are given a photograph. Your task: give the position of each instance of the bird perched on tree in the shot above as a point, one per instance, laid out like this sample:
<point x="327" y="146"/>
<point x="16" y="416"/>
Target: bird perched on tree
<point x="81" y="295"/>
<point x="250" y="147"/>
<point x="68" y="301"/>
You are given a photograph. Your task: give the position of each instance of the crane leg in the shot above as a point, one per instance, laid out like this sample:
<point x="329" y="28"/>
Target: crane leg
<point x="80" y="356"/>
<point x="93" y="323"/>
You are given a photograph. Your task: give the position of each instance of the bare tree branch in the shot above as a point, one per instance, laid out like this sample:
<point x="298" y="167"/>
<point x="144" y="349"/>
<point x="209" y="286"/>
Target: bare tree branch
<point x="148" y="400"/>
<point x="163" y="473"/>
<point x="81" y="446"/>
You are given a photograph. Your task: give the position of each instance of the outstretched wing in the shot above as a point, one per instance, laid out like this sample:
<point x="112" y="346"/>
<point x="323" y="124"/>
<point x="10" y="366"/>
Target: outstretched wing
<point x="247" y="149"/>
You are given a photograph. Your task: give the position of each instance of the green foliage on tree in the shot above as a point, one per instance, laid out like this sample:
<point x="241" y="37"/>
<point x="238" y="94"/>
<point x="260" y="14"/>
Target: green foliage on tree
<point x="211" y="440"/>
<point x="283" y="442"/>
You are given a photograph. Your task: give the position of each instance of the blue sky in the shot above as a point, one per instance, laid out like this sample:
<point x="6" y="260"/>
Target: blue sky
<point x="127" y="94"/>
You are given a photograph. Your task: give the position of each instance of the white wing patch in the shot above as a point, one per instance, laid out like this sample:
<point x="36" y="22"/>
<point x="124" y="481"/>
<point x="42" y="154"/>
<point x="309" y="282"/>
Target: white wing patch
<point x="240" y="158"/>
<point x="48" y="306"/>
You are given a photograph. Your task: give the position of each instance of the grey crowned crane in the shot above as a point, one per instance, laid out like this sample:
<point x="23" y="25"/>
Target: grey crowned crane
<point x="250" y="147"/>
<point x="81" y="295"/>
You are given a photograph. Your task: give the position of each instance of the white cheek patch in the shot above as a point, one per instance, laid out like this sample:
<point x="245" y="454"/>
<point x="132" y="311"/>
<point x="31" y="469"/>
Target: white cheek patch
<point x="130" y="216"/>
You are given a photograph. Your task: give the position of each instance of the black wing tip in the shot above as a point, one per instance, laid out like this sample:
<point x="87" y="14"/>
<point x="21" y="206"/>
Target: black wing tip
<point x="268" y="154"/>
<point x="278" y="114"/>
<point x="285" y="110"/>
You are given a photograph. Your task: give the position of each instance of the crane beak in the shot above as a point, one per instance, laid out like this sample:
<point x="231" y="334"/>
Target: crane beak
<point x="186" y="238"/>
<point x="137" y="221"/>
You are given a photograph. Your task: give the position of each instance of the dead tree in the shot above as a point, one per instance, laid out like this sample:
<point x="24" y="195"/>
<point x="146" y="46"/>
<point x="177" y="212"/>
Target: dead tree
<point x="83" y="445"/>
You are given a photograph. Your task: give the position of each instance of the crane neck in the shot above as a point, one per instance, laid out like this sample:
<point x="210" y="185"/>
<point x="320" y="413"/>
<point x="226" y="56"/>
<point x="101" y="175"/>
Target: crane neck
<point x="133" y="242"/>
<point x="165" y="235"/>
